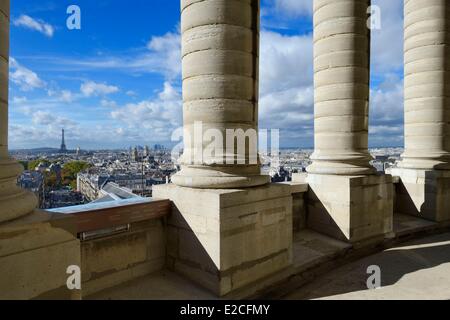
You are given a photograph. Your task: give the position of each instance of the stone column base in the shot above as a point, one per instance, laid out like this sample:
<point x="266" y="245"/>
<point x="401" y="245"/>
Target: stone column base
<point x="35" y="252"/>
<point x="227" y="239"/>
<point x="423" y="193"/>
<point x="350" y="208"/>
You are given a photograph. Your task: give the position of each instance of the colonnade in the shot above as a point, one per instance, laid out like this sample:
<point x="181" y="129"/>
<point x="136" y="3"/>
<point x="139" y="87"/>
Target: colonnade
<point x="220" y="59"/>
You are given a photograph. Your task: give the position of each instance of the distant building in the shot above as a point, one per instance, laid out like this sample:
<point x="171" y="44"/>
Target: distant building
<point x="63" y="198"/>
<point x="56" y="169"/>
<point x="90" y="184"/>
<point x="112" y="191"/>
<point x="135" y="154"/>
<point x="31" y="180"/>
<point x="41" y="167"/>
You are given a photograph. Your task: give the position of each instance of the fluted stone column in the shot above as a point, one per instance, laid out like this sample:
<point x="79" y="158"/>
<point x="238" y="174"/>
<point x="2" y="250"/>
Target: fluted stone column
<point x="425" y="167"/>
<point x="229" y="229"/>
<point x="220" y="48"/>
<point x="427" y="84"/>
<point x="346" y="199"/>
<point x="35" y="250"/>
<point x="341" y="87"/>
<point x="14" y="202"/>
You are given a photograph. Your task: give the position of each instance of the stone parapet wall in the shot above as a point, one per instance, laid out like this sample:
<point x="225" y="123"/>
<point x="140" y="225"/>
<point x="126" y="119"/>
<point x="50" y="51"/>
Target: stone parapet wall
<point x="423" y="193"/>
<point x="350" y="209"/>
<point x="228" y="239"/>
<point x="110" y="246"/>
<point x="35" y="252"/>
<point x="109" y="261"/>
<point x="299" y="189"/>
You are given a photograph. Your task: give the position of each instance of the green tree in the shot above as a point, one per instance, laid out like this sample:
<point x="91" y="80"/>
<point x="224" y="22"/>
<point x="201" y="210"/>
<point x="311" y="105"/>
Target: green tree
<point x="34" y="163"/>
<point x="70" y="171"/>
<point x="24" y="164"/>
<point x="50" y="179"/>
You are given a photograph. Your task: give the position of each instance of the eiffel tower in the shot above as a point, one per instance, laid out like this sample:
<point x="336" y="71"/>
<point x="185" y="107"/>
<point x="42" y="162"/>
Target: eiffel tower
<point x="63" y="148"/>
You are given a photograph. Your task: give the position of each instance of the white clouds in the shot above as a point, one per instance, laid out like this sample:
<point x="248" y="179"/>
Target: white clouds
<point x="34" y="24"/>
<point x="66" y="96"/>
<point x="19" y="100"/>
<point x="131" y="93"/>
<point x="44" y="130"/>
<point x="169" y="93"/>
<point x="294" y="7"/>
<point x="45" y="118"/>
<point x="153" y="119"/>
<point x="62" y="95"/>
<point x="166" y="54"/>
<point x="42" y="118"/>
<point x="108" y="103"/>
<point x="286" y="61"/>
<point x="387" y="112"/>
<point x="286" y="81"/>
<point x="26" y="79"/>
<point x="387" y="43"/>
<point x="91" y="88"/>
<point x="286" y="77"/>
<point x="88" y="89"/>
<point x="162" y="55"/>
<point x="387" y="101"/>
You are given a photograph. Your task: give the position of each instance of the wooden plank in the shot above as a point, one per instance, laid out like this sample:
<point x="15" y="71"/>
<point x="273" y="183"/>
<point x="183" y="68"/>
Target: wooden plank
<point x="116" y="216"/>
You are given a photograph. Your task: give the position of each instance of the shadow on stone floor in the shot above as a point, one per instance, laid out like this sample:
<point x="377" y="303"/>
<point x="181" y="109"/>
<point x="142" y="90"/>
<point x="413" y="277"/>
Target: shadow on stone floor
<point x="394" y="263"/>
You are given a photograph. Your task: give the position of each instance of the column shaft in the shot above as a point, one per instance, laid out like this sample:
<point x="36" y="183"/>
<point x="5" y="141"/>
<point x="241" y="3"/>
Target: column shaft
<point x="14" y="202"/>
<point x="341" y="87"/>
<point x="4" y="69"/>
<point x="220" y="48"/>
<point x="427" y="84"/>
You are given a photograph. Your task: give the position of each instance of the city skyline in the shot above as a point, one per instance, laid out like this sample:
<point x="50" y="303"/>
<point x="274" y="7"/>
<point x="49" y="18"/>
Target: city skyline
<point x="64" y="149"/>
<point x="111" y="94"/>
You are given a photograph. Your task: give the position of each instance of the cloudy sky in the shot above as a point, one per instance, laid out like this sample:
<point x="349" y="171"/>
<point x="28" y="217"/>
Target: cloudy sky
<point x="116" y="82"/>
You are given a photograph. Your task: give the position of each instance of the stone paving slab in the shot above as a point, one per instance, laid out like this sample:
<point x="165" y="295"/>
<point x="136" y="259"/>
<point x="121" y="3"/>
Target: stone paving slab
<point x="418" y="269"/>
<point x="404" y="224"/>
<point x="163" y="285"/>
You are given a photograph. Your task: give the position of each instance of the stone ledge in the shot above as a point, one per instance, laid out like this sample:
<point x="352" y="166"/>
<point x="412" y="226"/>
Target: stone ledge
<point x="297" y="187"/>
<point x="35" y="252"/>
<point x="36" y="230"/>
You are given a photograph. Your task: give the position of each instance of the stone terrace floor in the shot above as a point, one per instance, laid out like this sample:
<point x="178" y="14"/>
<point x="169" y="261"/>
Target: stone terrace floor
<point x="416" y="269"/>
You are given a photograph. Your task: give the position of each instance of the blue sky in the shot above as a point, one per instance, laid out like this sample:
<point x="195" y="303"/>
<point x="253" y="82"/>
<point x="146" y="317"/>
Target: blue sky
<point x="116" y="82"/>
